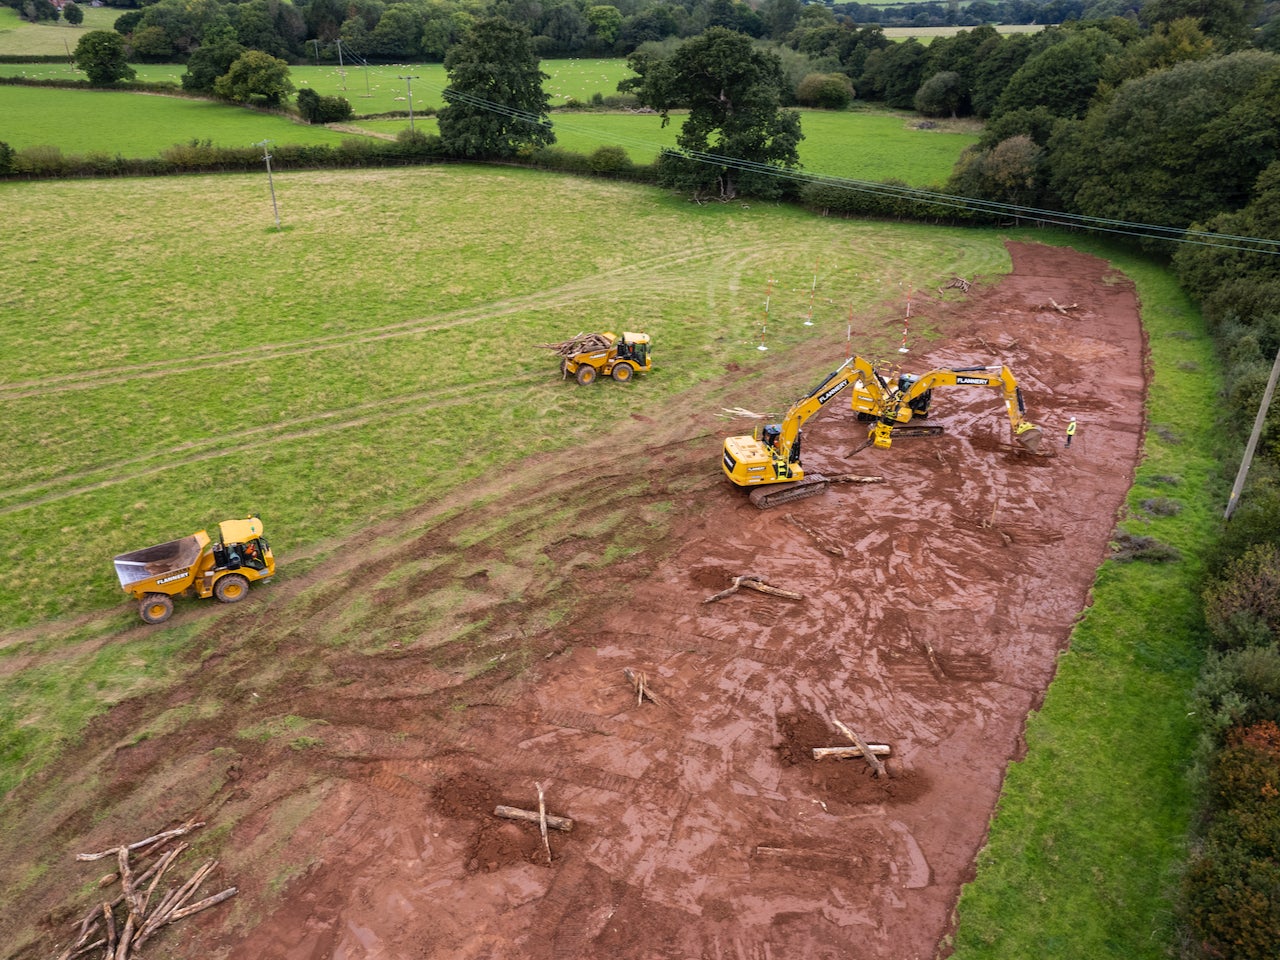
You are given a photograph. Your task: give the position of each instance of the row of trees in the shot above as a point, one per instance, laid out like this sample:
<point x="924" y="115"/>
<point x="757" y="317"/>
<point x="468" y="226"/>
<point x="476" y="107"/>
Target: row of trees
<point x="38" y="11"/>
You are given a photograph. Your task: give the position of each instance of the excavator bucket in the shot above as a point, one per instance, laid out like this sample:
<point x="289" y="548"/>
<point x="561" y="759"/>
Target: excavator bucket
<point x="1030" y="437"/>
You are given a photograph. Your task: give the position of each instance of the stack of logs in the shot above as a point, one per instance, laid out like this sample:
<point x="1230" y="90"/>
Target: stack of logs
<point x="116" y="929"/>
<point x="579" y="344"/>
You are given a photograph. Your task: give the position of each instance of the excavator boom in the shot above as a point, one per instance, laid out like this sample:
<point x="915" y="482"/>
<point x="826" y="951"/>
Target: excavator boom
<point x="893" y="401"/>
<point x="772" y="455"/>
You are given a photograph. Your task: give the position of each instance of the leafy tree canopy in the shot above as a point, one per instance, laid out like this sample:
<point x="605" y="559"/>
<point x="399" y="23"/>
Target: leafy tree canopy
<point x="496" y="104"/>
<point x="256" y="77"/>
<point x="1175" y="146"/>
<point x="1229" y="21"/>
<point x="732" y="91"/>
<point x="101" y="55"/>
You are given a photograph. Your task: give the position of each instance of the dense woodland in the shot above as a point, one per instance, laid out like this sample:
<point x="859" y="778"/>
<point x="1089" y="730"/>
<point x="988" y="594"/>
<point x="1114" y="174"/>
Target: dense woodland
<point x="1157" y="123"/>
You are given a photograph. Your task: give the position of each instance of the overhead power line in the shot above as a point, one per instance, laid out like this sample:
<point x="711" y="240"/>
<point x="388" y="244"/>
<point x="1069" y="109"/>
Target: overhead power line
<point x="1058" y="218"/>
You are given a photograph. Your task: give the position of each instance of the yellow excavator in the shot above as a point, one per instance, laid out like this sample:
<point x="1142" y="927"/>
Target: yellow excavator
<point x="772" y="455"/>
<point x="891" y="401"/>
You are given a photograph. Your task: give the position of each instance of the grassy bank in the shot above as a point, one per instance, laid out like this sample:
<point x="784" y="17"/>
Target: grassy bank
<point x="1092" y="826"/>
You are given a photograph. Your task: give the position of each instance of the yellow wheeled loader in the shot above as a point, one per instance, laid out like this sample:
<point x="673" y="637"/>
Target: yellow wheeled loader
<point x="604" y="355"/>
<point x="197" y="566"/>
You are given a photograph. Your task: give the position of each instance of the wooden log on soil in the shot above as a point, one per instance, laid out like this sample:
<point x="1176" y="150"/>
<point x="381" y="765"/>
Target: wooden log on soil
<point x="640" y="684"/>
<point x="754" y="583"/>
<point x="873" y="761"/>
<point x="825" y="542"/>
<point x="563" y="824"/>
<point x="846" y="753"/>
<point x="542" y="821"/>
<point x="166" y="835"/>
<point x="934" y="665"/>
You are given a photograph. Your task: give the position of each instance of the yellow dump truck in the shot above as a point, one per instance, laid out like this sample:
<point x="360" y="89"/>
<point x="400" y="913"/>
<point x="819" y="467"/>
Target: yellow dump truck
<point x="197" y="566"/>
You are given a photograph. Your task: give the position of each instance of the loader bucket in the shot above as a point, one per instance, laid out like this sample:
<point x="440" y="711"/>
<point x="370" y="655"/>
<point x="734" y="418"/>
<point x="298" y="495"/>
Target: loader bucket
<point x="1030" y="438"/>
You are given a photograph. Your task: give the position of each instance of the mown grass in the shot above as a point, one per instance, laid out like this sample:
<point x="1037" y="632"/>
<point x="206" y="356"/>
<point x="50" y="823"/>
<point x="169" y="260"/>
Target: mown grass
<point x="139" y="125"/>
<point x="378" y="88"/>
<point x="862" y="144"/>
<point x="220" y="365"/>
<point x="1091" y="829"/>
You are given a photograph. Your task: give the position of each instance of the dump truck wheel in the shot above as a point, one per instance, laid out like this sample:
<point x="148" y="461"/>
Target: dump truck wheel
<point x="586" y="374"/>
<point x="231" y="588"/>
<point x="156" y="607"/>
<point x="622" y="372"/>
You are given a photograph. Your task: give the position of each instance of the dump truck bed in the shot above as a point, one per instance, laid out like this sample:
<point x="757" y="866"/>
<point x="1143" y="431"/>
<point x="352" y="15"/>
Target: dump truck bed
<point x="154" y="563"/>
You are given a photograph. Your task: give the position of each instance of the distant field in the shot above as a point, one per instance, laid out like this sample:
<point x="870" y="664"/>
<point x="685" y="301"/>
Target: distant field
<point x="138" y="125"/>
<point x="379" y="87"/>
<point x="861" y="144"/>
<point x="21" y="39"/>
<point x="925" y="34"/>
<point x="857" y="145"/>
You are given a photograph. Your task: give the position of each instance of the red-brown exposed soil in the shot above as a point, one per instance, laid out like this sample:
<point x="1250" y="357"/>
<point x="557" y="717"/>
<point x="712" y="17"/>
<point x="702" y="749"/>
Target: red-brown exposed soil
<point x="702" y="825"/>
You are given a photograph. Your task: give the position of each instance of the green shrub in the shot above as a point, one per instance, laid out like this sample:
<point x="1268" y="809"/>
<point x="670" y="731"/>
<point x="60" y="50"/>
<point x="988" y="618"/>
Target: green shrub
<point x="607" y="160"/>
<point x="40" y="161"/>
<point x="1239" y="688"/>
<point x="891" y="199"/>
<point x="1243" y="608"/>
<point x="315" y="108"/>
<point x="828" y="91"/>
<point x="1231" y="891"/>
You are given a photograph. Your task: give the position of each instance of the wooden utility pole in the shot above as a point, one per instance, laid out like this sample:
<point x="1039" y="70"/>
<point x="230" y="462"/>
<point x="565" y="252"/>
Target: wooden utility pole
<point x="1258" y="422"/>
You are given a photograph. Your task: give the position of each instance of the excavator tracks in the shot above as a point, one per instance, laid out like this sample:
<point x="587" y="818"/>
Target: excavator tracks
<point x="775" y="495"/>
<point x="913" y="431"/>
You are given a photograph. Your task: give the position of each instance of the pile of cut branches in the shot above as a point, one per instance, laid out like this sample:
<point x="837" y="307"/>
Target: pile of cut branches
<point x="117" y="928"/>
<point x="580" y="344"/>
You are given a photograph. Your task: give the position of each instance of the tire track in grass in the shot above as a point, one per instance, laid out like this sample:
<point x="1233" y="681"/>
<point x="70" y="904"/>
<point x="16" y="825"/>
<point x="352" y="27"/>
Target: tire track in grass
<point x="620" y="280"/>
<point x="247" y="440"/>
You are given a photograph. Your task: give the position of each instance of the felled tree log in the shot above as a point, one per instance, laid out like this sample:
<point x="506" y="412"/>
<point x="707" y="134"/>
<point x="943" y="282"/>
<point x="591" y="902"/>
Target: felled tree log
<point x="754" y="583"/>
<point x="563" y="824"/>
<point x="867" y="754"/>
<point x="640" y="684"/>
<point x="122" y="937"/>
<point x="846" y="753"/>
<point x="579" y="344"/>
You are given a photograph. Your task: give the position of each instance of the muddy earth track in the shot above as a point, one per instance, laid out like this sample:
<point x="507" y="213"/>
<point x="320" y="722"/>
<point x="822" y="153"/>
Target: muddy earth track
<point x="703" y="827"/>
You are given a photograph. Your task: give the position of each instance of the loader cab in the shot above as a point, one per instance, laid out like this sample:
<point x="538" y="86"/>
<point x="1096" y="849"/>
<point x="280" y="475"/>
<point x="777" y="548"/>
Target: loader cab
<point x="635" y="347"/>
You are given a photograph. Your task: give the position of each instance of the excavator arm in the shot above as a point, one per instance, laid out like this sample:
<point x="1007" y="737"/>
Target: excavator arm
<point x="894" y="401"/>
<point x="772" y="455"/>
